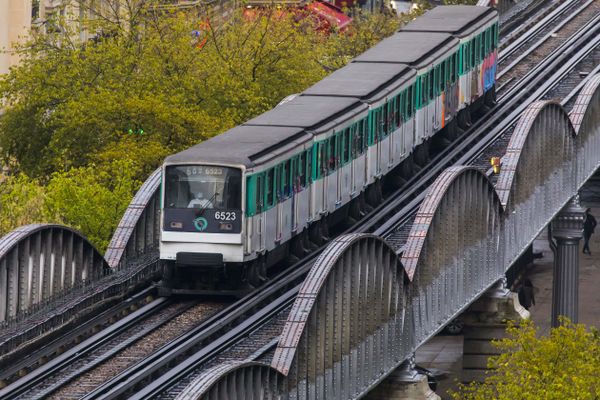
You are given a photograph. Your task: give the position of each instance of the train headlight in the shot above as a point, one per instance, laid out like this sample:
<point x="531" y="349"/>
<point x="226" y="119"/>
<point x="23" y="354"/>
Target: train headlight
<point x="226" y="226"/>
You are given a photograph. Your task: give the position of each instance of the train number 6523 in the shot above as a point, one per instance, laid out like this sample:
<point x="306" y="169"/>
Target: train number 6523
<point x="225" y="216"/>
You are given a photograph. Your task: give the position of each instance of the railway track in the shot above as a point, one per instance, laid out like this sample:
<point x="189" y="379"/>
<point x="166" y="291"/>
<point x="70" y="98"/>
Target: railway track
<point x="157" y="379"/>
<point x="519" y="57"/>
<point x="180" y="359"/>
<point x="93" y="361"/>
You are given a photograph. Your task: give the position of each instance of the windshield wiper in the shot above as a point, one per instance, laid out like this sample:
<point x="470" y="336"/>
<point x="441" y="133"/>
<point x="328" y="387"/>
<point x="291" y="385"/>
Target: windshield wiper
<point x="210" y="201"/>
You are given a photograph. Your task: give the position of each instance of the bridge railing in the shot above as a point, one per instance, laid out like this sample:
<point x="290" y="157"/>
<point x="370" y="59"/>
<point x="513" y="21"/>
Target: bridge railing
<point x="362" y="310"/>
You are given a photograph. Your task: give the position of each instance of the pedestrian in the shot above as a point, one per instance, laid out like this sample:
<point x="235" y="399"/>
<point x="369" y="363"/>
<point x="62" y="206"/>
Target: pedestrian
<point x="525" y="293"/>
<point x="588" y="228"/>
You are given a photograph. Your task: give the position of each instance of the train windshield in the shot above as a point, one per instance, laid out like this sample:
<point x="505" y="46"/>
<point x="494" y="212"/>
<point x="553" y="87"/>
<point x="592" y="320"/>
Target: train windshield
<point x="203" y="186"/>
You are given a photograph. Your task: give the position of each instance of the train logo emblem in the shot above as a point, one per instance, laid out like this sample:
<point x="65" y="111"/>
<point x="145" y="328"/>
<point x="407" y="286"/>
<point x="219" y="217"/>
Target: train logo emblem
<point x="200" y="224"/>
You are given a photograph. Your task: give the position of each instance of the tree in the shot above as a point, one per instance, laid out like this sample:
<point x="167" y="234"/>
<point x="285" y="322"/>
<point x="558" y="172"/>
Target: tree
<point x="168" y="77"/>
<point x="21" y="201"/>
<point x="89" y="120"/>
<point x="91" y="199"/>
<point x="563" y="365"/>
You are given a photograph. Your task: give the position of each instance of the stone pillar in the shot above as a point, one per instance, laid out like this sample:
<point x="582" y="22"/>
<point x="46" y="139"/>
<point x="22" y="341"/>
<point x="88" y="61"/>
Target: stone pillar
<point x="404" y="383"/>
<point x="485" y="321"/>
<point x="567" y="230"/>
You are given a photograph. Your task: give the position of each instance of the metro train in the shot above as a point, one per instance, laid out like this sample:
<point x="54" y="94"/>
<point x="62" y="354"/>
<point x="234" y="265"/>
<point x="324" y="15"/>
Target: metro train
<point x="237" y="204"/>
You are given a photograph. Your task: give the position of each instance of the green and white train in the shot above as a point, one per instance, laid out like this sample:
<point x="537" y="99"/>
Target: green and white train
<point x="241" y="201"/>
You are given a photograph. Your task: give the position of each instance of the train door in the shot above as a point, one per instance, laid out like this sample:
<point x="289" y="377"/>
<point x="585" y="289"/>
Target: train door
<point x="300" y="192"/>
<point x="270" y="214"/>
<point x="286" y="200"/>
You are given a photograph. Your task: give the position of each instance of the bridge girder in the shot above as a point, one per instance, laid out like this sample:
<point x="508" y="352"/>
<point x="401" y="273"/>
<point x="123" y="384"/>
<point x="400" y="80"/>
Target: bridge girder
<point x="465" y="236"/>
<point x="42" y="261"/>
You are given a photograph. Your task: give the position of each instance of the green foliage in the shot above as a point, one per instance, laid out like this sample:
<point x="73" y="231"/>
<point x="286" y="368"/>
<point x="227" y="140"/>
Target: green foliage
<point x="21" y="201"/>
<point x="91" y="199"/>
<point x="70" y="105"/>
<point x="563" y="365"/>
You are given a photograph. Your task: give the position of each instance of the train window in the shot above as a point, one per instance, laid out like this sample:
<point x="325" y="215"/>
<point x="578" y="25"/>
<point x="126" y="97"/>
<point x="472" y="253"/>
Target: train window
<point x="430" y="84"/>
<point x="409" y="102"/>
<point x="323" y="158"/>
<point x="385" y="120"/>
<point x="496" y="35"/>
<point x="332" y="154"/>
<point x="398" y="109"/>
<point x="259" y="192"/>
<point x="286" y="183"/>
<point x="455" y="67"/>
<point x="487" y="41"/>
<point x="269" y="188"/>
<point x="467" y="56"/>
<point x="461" y="60"/>
<point x="300" y="171"/>
<point x="346" y="146"/>
<point x="203" y="186"/>
<point x="359" y="136"/>
<point x="481" y="47"/>
<point x="309" y="164"/>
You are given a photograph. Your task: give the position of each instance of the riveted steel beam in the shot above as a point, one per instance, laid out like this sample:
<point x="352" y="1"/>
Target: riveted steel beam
<point x="360" y="313"/>
<point x="245" y="380"/>
<point x="138" y="231"/>
<point x="40" y="261"/>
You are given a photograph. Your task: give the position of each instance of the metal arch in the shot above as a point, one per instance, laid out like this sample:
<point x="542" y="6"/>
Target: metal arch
<point x="538" y="173"/>
<point x="139" y="228"/>
<point x="40" y="261"/>
<point x="453" y="248"/>
<point x="246" y="380"/>
<point x="585" y="117"/>
<point x="346" y="328"/>
<point x="436" y="195"/>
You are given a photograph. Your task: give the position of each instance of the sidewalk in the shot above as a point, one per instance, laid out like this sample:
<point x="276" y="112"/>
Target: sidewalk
<point x="541" y="274"/>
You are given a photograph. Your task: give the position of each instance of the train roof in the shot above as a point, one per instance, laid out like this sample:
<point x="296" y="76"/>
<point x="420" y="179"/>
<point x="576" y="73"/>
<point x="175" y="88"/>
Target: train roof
<point x="459" y="20"/>
<point x="241" y="145"/>
<point x="417" y="49"/>
<point x="365" y="81"/>
<point x="314" y="113"/>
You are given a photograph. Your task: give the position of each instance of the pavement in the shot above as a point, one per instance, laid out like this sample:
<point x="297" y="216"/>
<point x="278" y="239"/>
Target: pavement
<point x="444" y="352"/>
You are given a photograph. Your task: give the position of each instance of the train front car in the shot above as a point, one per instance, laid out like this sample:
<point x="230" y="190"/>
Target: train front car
<point x="201" y="232"/>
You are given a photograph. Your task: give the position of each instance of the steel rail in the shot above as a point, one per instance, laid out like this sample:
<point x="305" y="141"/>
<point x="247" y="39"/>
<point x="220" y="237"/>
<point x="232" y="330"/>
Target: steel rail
<point x="121" y="385"/>
<point x="513" y="27"/>
<point x="511" y="46"/>
<point x="537" y="44"/>
<point x="7" y="372"/>
<point x="31" y="380"/>
<point x="525" y="92"/>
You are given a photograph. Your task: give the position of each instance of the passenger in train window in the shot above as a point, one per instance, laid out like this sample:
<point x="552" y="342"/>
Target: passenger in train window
<point x="589" y="224"/>
<point x="200" y="202"/>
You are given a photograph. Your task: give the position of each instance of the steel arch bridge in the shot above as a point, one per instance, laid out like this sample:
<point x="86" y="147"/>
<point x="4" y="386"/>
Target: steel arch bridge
<point x="467" y="233"/>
